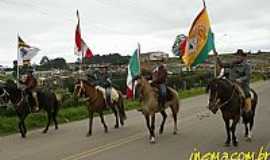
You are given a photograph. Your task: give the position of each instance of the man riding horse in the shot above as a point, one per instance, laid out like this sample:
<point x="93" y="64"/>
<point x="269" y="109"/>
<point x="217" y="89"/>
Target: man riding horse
<point x="239" y="71"/>
<point x="30" y="83"/>
<point x="159" y="79"/>
<point x="103" y="79"/>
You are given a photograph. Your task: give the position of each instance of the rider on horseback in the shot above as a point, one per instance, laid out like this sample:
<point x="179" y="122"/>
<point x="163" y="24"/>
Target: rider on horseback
<point x="30" y="83"/>
<point x="159" y="78"/>
<point x="240" y="72"/>
<point x="103" y="79"/>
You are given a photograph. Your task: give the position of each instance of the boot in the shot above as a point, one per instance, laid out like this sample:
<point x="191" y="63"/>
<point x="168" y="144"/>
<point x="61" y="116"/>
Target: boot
<point x="247" y="107"/>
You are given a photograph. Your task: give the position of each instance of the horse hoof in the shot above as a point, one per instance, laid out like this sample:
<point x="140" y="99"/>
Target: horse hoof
<point x="249" y="139"/>
<point x="227" y="144"/>
<point x="122" y="123"/>
<point x="161" y="131"/>
<point x="152" y="140"/>
<point x="106" y="130"/>
<point x="116" y="126"/>
<point x="175" y="133"/>
<point x="56" y="128"/>
<point x="23" y="136"/>
<point x="235" y="143"/>
<point x="45" y="131"/>
<point x="88" y="134"/>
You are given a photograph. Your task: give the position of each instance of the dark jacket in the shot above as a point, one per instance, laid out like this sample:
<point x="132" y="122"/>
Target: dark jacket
<point x="159" y="75"/>
<point x="30" y="82"/>
<point x="238" y="70"/>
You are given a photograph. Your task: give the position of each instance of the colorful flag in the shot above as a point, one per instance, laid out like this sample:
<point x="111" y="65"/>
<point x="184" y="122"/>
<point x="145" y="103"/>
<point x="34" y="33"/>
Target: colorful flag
<point x="134" y="70"/>
<point x="81" y="48"/>
<point x="179" y="45"/>
<point x="25" y="51"/>
<point x="200" y="40"/>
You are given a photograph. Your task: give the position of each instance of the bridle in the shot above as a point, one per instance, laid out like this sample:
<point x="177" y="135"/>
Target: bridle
<point x="217" y="100"/>
<point x="5" y="93"/>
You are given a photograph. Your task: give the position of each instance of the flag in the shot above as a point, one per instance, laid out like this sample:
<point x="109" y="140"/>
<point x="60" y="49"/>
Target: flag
<point x="200" y="40"/>
<point x="179" y="45"/>
<point x="81" y="48"/>
<point x="25" y="51"/>
<point x="134" y="70"/>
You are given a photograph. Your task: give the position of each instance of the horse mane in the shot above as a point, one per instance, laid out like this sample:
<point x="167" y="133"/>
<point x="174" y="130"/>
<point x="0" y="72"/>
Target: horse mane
<point x="86" y="82"/>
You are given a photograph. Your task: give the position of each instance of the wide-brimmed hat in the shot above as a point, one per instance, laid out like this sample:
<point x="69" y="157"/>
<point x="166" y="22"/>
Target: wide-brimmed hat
<point x="240" y="52"/>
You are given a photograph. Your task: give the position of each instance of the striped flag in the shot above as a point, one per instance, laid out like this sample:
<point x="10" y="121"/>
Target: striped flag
<point x="134" y="70"/>
<point x="81" y="48"/>
<point x="200" y="40"/>
<point x="25" y="51"/>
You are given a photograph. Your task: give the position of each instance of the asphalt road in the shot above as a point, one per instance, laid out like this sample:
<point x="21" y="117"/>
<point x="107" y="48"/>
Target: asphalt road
<point x="198" y="128"/>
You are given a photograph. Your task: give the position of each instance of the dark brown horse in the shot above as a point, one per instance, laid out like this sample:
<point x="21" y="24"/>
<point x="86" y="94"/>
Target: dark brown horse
<point x="224" y="95"/>
<point x="96" y="103"/>
<point x="47" y="101"/>
<point x="149" y="100"/>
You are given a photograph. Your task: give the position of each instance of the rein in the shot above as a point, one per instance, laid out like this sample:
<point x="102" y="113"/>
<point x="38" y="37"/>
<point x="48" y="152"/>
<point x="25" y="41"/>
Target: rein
<point x="92" y="99"/>
<point x="228" y="100"/>
<point x="21" y="100"/>
<point x="4" y="94"/>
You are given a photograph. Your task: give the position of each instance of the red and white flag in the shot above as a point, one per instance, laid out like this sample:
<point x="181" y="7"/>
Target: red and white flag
<point x="81" y="48"/>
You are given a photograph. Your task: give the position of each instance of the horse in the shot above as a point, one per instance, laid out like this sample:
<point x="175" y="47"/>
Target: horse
<point x="224" y="95"/>
<point x="96" y="103"/>
<point x="47" y="101"/>
<point x="150" y="106"/>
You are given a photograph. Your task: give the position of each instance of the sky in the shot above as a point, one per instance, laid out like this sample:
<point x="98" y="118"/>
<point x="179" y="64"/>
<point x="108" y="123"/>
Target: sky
<point x="110" y="26"/>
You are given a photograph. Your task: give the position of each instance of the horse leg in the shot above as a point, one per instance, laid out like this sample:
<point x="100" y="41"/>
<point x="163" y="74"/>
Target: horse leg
<point x="234" y="124"/>
<point x="152" y="138"/>
<point x="227" y="125"/>
<point x="246" y="129"/>
<point x="49" y="115"/>
<point x="55" y="120"/>
<point x="55" y="115"/>
<point x="147" y="120"/>
<point x="174" y="114"/>
<point x="22" y="128"/>
<point x="90" y="114"/>
<point x="114" y="109"/>
<point x="164" y="115"/>
<point x="103" y="122"/>
<point x="251" y="123"/>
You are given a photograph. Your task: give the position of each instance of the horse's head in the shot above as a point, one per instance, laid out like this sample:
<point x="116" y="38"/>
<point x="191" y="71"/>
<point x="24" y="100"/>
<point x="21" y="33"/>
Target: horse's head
<point x="4" y="95"/>
<point x="81" y="87"/>
<point x="141" y="85"/>
<point x="215" y="90"/>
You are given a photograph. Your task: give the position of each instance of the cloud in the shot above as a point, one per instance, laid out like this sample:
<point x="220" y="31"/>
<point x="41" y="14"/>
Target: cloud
<point x="117" y="25"/>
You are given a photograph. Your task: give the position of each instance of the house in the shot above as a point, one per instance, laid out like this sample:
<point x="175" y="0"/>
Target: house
<point x="154" y="56"/>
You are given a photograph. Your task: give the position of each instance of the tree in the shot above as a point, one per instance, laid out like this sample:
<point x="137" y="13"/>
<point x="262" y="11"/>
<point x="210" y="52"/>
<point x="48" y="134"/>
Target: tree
<point x="58" y="63"/>
<point x="44" y="60"/>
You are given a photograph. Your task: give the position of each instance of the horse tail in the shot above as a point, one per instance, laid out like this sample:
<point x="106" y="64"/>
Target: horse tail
<point x="56" y="105"/>
<point x="174" y="99"/>
<point x="254" y="100"/>
<point x="121" y="106"/>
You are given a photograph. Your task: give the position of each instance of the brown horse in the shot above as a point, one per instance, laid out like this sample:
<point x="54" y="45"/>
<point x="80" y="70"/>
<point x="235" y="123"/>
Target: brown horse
<point x="96" y="103"/>
<point x="223" y="95"/>
<point x="149" y="100"/>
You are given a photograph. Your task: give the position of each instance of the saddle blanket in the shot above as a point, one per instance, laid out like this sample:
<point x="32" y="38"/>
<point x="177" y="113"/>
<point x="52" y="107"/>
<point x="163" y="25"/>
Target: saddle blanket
<point x="241" y="91"/>
<point x="114" y="93"/>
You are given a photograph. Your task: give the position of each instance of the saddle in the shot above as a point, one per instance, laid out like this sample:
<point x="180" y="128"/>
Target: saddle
<point x="114" y="94"/>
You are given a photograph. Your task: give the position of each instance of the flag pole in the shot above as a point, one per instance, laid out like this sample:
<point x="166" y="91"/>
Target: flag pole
<point x="204" y="5"/>
<point x="18" y="67"/>
<point x="139" y="53"/>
